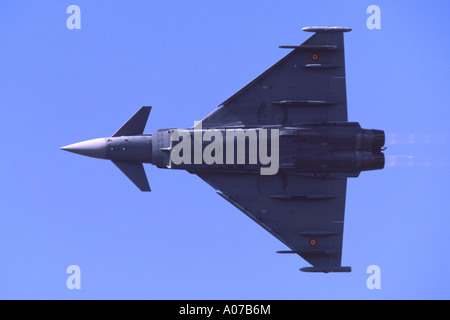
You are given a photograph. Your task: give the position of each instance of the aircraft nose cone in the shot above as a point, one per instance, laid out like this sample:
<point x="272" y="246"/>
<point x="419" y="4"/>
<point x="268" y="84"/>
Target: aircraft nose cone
<point x="95" y="148"/>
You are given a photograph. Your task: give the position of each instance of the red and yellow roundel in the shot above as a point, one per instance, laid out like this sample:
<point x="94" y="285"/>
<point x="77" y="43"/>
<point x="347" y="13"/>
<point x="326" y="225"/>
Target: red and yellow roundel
<point x="312" y="242"/>
<point x="315" y="57"/>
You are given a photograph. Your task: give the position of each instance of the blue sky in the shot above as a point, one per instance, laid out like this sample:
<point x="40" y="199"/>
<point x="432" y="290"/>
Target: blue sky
<point x="182" y="241"/>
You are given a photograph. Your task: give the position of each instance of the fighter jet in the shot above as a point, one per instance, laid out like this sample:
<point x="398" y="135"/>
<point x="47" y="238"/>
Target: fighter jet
<point x="280" y="149"/>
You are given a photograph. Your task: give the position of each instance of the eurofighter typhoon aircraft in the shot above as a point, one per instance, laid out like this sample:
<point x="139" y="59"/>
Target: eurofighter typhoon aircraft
<point x="280" y="149"/>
